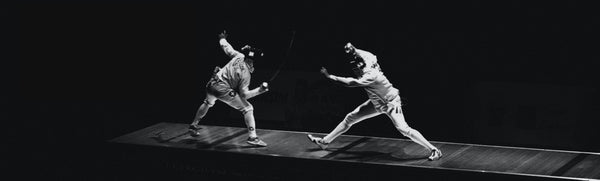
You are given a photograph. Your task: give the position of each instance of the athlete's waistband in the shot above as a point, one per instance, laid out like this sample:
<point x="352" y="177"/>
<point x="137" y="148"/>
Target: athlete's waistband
<point x="383" y="101"/>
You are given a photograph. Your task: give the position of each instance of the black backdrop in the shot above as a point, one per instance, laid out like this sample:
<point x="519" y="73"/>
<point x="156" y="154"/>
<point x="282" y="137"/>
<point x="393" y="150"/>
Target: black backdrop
<point x="501" y="72"/>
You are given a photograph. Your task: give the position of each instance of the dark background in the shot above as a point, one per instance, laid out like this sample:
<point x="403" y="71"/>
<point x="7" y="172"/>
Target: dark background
<point x="505" y="73"/>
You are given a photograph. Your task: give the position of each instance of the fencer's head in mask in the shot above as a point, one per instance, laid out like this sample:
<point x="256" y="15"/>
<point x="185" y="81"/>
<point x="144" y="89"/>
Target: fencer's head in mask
<point x="251" y="54"/>
<point x="361" y="61"/>
<point x="356" y="61"/>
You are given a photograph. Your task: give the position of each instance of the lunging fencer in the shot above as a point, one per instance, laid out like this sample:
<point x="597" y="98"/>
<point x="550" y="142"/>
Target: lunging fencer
<point x="383" y="99"/>
<point x="230" y="85"/>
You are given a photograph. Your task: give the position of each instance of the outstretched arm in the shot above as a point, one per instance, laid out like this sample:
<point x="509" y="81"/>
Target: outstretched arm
<point x="227" y="48"/>
<point x="347" y="81"/>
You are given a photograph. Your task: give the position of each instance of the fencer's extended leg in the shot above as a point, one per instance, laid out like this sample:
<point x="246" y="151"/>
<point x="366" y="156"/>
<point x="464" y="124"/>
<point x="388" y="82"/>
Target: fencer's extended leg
<point x="364" y="111"/>
<point x="201" y="112"/>
<point x="400" y="124"/>
<point x="340" y="129"/>
<point x="209" y="101"/>
<point x="414" y="135"/>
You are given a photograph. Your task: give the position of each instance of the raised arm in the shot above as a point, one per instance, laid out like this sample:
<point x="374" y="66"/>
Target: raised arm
<point x="227" y="48"/>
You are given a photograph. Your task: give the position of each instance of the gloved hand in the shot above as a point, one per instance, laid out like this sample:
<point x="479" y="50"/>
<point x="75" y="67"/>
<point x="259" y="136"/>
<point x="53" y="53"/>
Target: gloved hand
<point x="324" y="72"/>
<point x="223" y="35"/>
<point x="264" y="87"/>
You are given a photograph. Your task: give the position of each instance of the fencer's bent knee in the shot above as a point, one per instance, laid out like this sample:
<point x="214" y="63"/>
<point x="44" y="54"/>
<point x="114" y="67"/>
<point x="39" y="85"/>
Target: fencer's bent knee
<point x="406" y="131"/>
<point x="247" y="109"/>
<point x="349" y="120"/>
<point x="208" y="103"/>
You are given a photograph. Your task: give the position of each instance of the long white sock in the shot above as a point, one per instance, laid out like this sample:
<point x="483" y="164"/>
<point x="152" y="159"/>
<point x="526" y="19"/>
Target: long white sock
<point x="418" y="138"/>
<point x="339" y="130"/>
<point x="250" y="123"/>
<point x="202" y="110"/>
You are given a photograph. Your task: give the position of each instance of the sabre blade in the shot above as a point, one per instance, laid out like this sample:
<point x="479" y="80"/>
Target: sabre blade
<point x="287" y="52"/>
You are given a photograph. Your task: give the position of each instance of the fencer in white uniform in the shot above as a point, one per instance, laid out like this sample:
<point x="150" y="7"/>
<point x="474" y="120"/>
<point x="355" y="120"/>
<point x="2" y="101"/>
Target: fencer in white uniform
<point x="383" y="99"/>
<point x="230" y="85"/>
